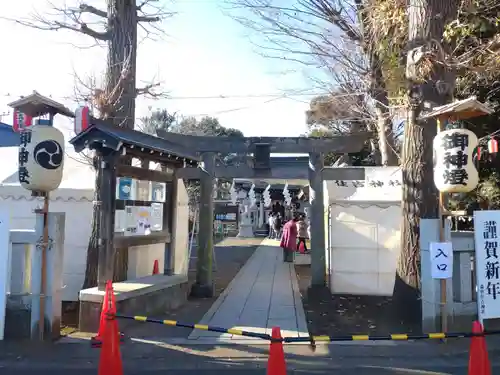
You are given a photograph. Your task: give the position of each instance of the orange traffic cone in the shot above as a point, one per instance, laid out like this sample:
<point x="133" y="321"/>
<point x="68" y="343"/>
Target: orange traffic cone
<point x="276" y="363"/>
<point x="96" y="340"/>
<point x="110" y="361"/>
<point x="108" y="300"/>
<point x="156" y="268"/>
<point x="479" y="363"/>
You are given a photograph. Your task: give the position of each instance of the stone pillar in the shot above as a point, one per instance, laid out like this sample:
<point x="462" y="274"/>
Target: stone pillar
<point x="431" y="288"/>
<point x="245" y="227"/>
<point x="55" y="256"/>
<point x="262" y="219"/>
<point x="203" y="287"/>
<point x="318" y="265"/>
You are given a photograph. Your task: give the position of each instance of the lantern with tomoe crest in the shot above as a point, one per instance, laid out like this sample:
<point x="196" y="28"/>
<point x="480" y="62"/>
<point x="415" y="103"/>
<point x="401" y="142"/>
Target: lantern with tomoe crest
<point x="41" y="157"/>
<point x="454" y="168"/>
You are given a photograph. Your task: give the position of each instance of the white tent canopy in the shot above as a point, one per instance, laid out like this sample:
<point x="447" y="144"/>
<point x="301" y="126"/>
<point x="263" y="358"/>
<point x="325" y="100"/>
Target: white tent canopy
<point x="77" y="183"/>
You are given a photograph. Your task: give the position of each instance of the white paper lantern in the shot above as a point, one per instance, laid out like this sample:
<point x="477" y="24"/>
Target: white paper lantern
<point x="41" y="158"/>
<point x="454" y="169"/>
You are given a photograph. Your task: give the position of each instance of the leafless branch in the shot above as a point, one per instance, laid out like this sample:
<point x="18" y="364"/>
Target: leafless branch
<point x="332" y="35"/>
<point x="76" y="19"/>
<point x="150" y="91"/>
<point x="89" y="20"/>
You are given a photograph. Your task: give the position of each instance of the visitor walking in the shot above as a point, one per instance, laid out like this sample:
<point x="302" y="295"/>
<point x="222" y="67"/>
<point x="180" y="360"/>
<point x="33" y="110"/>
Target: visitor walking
<point x="289" y="240"/>
<point x="270" y="224"/>
<point x="277" y="226"/>
<point x="302" y="234"/>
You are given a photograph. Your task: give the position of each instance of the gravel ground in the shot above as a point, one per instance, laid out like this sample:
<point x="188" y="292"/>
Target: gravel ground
<point x="231" y="254"/>
<point x="335" y="315"/>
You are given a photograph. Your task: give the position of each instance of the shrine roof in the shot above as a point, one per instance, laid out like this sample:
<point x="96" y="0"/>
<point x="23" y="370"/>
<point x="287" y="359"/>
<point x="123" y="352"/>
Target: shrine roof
<point x="103" y="134"/>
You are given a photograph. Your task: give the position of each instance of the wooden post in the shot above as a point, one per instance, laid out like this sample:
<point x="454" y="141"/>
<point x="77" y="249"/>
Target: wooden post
<point x="43" y="275"/>
<point x="107" y="168"/>
<point x="316" y="195"/>
<point x="442" y="282"/>
<point x="203" y="287"/>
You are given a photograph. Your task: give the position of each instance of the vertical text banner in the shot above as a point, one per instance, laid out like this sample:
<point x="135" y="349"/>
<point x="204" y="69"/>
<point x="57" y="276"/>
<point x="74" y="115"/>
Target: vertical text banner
<point x="441" y="260"/>
<point x="486" y="232"/>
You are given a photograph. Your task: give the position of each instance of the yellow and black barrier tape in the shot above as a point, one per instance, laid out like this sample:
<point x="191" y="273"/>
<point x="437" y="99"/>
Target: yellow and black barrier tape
<point x="312" y="339"/>
<point x="203" y="327"/>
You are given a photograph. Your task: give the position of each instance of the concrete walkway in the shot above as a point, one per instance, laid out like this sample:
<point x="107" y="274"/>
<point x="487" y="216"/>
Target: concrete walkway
<point x="263" y="294"/>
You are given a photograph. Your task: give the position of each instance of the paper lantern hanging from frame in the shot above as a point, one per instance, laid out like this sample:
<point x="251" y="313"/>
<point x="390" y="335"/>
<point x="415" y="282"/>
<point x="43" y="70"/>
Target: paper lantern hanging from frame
<point x="454" y="168"/>
<point x="41" y="158"/>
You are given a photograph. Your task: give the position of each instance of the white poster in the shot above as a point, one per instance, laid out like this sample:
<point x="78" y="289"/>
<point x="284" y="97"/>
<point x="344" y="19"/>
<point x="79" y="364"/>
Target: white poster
<point x="138" y="221"/>
<point x="130" y="222"/>
<point x="5" y="264"/>
<point x="441" y="260"/>
<point x="156" y="216"/>
<point x="143" y="220"/>
<point x="120" y="221"/>
<point x="486" y="229"/>
<point x="143" y="190"/>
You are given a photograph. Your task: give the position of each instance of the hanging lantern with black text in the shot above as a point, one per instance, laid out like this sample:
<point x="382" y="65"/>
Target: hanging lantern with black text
<point x="41" y="158"/>
<point x="454" y="169"/>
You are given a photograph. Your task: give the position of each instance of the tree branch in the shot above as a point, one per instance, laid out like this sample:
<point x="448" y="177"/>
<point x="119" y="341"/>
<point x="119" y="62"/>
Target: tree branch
<point x="149" y="91"/>
<point x="85" y="8"/>
<point x="149" y="19"/>
<point x="56" y="25"/>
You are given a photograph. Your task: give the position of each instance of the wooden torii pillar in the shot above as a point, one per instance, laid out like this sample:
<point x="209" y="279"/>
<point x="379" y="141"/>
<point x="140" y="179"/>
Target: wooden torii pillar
<point x="261" y="148"/>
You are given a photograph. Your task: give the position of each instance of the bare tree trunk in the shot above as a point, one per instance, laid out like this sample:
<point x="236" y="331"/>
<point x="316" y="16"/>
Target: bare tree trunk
<point x="121" y="84"/>
<point x="117" y="105"/>
<point x="420" y="197"/>
<point x="378" y="91"/>
<point x="121" y="62"/>
<point x="93" y="246"/>
<point x="387" y="147"/>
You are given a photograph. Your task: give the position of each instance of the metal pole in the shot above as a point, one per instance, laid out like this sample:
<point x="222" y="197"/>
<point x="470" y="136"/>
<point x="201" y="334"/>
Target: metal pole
<point x="43" y="283"/>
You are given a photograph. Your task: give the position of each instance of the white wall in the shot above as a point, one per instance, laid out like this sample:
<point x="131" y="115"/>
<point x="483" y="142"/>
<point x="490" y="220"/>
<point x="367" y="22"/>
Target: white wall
<point x="77" y="233"/>
<point x="141" y="260"/>
<point x="180" y="231"/>
<point x="364" y="245"/>
<point x="19" y="203"/>
<point x="364" y="233"/>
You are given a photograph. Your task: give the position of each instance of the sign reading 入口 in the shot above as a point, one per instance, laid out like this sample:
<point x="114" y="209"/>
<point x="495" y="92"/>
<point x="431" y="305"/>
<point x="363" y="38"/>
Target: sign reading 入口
<point x="441" y="260"/>
<point x="486" y="231"/>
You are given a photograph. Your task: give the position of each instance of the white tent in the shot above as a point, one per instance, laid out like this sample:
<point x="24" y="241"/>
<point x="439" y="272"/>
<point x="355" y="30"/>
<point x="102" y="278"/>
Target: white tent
<point x="74" y="197"/>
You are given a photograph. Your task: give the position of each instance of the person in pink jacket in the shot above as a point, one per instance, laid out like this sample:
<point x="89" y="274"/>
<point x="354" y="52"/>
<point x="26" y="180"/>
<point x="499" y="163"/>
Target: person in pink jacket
<point x="289" y="240"/>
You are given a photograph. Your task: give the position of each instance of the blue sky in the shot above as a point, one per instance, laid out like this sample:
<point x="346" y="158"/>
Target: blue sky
<point x="204" y="54"/>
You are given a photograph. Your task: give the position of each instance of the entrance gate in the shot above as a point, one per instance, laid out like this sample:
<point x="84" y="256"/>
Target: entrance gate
<point x="259" y="167"/>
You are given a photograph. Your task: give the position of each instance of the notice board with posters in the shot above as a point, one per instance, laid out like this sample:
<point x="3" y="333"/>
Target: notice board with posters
<point x="226" y="217"/>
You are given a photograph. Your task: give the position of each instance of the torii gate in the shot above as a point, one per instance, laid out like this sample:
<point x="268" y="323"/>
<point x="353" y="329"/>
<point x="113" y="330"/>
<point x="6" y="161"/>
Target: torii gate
<point x="261" y="148"/>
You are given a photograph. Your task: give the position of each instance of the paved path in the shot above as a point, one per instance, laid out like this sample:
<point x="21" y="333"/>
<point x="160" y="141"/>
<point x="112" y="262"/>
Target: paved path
<point x="263" y="294"/>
